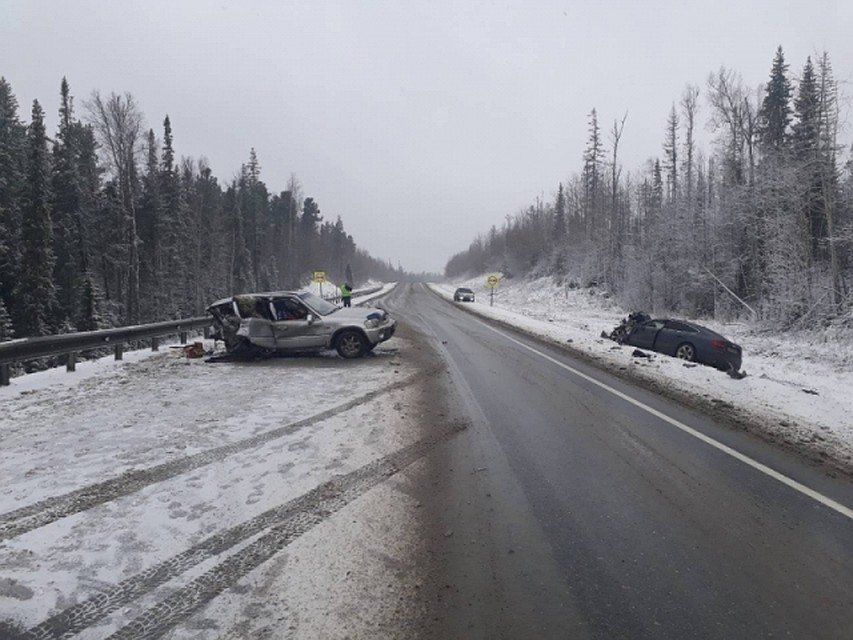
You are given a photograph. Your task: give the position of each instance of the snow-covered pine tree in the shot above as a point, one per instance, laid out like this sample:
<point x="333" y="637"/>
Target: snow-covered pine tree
<point x="559" y="217"/>
<point x="89" y="315"/>
<point x="670" y="156"/>
<point x="308" y="222"/>
<point x="689" y="112"/>
<point x="806" y="137"/>
<point x="831" y="245"/>
<point x="67" y="201"/>
<point x="775" y="114"/>
<point x="12" y="183"/>
<point x="7" y="330"/>
<point x="36" y="293"/>
<point x="593" y="159"/>
<point x="149" y="222"/>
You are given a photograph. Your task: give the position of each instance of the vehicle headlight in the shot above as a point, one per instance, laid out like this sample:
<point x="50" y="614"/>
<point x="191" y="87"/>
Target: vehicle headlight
<point x="371" y="323"/>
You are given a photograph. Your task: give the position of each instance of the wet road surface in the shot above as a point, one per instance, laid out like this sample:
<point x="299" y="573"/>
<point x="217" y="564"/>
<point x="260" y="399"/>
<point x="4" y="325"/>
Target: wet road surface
<point x="567" y="510"/>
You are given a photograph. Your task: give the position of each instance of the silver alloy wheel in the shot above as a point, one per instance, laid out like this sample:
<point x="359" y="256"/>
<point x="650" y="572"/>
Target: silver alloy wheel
<point x="685" y="352"/>
<point x="350" y="345"/>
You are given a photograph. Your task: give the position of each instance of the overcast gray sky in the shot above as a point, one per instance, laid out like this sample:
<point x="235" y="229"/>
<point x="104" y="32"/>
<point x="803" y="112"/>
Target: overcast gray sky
<point x="420" y="123"/>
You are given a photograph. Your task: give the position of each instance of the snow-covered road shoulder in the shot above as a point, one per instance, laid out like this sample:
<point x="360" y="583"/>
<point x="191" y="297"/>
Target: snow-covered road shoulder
<point x="157" y="497"/>
<point x="796" y="391"/>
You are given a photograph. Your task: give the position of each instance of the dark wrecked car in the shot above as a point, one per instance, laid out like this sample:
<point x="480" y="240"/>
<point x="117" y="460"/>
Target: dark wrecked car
<point x="679" y="338"/>
<point x="297" y="321"/>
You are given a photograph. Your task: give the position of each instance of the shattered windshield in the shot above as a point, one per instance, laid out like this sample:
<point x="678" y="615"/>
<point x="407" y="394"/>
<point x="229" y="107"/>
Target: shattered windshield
<point x="323" y="307"/>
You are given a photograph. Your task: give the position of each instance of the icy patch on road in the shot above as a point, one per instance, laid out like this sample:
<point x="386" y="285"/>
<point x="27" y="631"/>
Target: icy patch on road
<point x="798" y="383"/>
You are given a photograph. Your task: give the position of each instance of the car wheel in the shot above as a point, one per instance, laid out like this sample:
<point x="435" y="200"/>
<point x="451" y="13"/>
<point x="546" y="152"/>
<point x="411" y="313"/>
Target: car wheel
<point x="686" y="351"/>
<point x="351" y="344"/>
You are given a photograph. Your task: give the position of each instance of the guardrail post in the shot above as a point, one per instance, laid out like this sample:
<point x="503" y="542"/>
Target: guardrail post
<point x="119" y="351"/>
<point x="71" y="362"/>
<point x="155" y="344"/>
<point x="183" y="337"/>
<point x="5" y="377"/>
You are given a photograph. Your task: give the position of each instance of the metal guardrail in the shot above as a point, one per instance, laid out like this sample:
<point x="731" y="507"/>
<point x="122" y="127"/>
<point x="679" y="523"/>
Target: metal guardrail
<point x="72" y="344"/>
<point x="336" y="298"/>
<point x="25" y="349"/>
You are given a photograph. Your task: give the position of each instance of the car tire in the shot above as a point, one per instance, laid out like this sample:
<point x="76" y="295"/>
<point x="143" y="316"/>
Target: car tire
<point x="351" y="344"/>
<point x="686" y="351"/>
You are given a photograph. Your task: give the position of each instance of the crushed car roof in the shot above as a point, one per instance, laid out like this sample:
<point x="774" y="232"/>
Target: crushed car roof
<point x="261" y="294"/>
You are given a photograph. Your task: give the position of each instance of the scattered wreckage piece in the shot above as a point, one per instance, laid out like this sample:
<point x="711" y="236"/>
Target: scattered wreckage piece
<point x="194" y="350"/>
<point x="259" y="324"/>
<point x="678" y="338"/>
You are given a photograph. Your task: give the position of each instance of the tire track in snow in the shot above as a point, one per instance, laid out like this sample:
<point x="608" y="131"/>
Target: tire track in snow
<point x="285" y="523"/>
<point x="44" y="512"/>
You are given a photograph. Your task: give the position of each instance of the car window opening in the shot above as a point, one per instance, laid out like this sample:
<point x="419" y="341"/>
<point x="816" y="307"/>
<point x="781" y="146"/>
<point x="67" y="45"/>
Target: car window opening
<point x="323" y="307"/>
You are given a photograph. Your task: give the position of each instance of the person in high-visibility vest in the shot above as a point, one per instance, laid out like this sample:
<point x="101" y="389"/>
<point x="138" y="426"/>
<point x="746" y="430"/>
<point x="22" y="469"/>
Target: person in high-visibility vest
<point x="346" y="295"/>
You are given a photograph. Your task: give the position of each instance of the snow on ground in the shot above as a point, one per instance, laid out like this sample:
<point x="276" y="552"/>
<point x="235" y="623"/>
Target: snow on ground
<point x="799" y="382"/>
<point x="331" y="290"/>
<point x="384" y="288"/>
<point x="156" y="410"/>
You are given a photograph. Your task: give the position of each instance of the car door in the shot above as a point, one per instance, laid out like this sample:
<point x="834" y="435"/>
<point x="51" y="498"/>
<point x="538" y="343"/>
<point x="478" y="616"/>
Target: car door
<point x="673" y="334"/>
<point x="256" y="321"/>
<point x="644" y="335"/>
<point x="295" y="326"/>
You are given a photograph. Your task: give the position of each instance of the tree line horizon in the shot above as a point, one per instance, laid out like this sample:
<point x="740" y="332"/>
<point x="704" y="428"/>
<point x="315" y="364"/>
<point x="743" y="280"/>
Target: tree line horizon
<point x="101" y="224"/>
<point x="759" y="224"/>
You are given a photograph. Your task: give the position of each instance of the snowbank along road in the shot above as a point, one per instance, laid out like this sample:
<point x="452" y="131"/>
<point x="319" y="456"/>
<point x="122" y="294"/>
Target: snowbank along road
<point x="466" y="482"/>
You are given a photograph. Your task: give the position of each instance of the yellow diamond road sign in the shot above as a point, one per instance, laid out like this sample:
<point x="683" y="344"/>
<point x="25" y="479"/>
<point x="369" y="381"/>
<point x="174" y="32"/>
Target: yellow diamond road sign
<point x="319" y="276"/>
<point x="493" y="280"/>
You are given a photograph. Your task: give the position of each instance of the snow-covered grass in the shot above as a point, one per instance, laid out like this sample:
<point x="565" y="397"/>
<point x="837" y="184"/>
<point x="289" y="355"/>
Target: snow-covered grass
<point x="61" y="432"/>
<point x="798" y="384"/>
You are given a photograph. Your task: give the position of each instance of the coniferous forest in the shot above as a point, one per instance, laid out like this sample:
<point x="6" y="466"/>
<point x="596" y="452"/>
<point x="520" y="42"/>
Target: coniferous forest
<point x="102" y="225"/>
<point x="758" y="225"/>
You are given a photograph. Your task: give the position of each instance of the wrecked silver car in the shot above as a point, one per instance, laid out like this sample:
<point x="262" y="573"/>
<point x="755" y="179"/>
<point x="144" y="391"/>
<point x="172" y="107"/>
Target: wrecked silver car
<point x="297" y="321"/>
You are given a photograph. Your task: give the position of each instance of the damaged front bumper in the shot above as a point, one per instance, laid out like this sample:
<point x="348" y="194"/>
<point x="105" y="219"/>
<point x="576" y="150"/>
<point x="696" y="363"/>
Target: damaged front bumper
<point x="381" y="332"/>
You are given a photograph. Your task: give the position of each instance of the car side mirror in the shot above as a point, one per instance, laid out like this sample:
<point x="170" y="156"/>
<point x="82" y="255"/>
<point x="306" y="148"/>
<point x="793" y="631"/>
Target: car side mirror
<point x="310" y="318"/>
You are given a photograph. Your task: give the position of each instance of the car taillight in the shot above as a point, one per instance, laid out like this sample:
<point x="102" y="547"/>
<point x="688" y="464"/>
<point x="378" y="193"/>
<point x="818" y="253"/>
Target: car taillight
<point x="718" y="344"/>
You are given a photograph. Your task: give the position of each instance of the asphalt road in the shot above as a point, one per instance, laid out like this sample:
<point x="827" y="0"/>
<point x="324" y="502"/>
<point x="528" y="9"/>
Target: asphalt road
<point x="567" y="511"/>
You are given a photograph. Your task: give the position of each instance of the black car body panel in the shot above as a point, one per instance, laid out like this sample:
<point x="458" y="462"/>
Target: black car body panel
<point x="667" y="336"/>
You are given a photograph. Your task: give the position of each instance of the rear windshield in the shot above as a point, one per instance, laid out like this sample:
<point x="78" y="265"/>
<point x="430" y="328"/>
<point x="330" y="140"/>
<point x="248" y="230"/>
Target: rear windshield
<point x="317" y="303"/>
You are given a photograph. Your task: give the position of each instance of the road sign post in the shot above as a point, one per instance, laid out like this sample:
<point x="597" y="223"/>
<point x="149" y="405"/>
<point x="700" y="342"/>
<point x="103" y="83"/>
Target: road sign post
<point x="319" y="277"/>
<point x="492" y="281"/>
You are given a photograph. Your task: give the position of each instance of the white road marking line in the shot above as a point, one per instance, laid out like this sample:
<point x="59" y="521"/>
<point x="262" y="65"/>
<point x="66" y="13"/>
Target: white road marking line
<point x="811" y="493"/>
